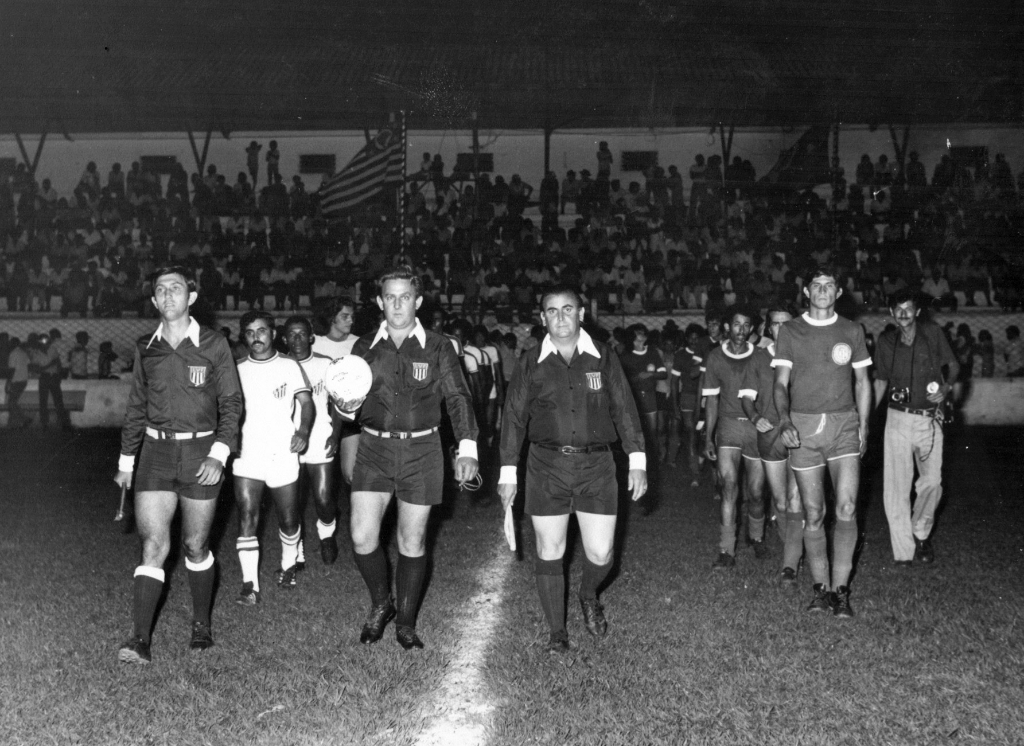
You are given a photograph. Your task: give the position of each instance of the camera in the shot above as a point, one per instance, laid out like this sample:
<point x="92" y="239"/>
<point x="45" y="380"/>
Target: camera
<point x="900" y="396"/>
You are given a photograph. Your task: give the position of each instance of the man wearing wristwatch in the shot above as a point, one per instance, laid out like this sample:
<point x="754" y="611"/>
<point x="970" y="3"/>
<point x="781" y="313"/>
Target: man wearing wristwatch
<point x="915" y="363"/>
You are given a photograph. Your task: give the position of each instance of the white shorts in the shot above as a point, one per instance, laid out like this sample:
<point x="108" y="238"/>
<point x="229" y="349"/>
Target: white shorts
<point x="273" y="469"/>
<point x="315" y="451"/>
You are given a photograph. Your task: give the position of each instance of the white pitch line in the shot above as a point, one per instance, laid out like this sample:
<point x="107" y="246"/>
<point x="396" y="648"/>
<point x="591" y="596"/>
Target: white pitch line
<point x="461" y="707"/>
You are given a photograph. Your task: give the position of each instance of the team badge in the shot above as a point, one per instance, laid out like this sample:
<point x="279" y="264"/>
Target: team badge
<point x="420" y="371"/>
<point x="842" y="353"/>
<point x="197" y="374"/>
<point x="280" y="390"/>
<point x="594" y="381"/>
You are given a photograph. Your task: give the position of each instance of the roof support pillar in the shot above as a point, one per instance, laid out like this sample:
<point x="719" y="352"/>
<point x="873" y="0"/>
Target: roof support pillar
<point x="200" y="158"/>
<point x="31" y="163"/>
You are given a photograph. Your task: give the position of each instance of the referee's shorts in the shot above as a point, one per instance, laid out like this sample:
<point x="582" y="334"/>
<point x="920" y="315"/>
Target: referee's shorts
<point x="411" y="468"/>
<point x="562" y="483"/>
<point x="172" y="465"/>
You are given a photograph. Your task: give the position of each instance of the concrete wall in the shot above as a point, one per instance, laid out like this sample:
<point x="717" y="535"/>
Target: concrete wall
<point x="105" y="402"/>
<point x="515" y="151"/>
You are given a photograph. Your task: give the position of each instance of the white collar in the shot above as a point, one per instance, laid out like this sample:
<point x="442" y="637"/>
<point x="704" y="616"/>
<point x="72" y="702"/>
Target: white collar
<point x="640" y="352"/>
<point x="748" y="353"/>
<point x="815" y="322"/>
<point x="417" y="332"/>
<point x="583" y="344"/>
<point x="192" y="333"/>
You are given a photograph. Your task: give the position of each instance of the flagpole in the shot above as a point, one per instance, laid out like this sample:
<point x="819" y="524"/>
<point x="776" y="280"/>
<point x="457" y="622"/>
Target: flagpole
<point x="401" y="188"/>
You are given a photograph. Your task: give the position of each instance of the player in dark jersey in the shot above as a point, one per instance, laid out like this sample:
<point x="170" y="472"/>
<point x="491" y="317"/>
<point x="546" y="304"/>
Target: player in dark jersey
<point x="816" y="358"/>
<point x="644" y="366"/>
<point x="705" y="344"/>
<point x="686" y="367"/>
<point x="731" y="439"/>
<point x="758" y="401"/>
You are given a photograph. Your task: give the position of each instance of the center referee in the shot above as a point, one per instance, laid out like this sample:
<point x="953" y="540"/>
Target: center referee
<point x="569" y="396"/>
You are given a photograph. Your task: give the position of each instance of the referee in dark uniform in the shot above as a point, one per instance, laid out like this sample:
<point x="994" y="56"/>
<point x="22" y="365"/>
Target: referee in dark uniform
<point x="183" y="410"/>
<point x="570" y="398"/>
<point x="400" y="450"/>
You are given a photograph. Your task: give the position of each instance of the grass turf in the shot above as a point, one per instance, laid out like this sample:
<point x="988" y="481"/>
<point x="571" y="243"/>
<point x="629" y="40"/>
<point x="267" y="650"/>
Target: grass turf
<point x="934" y="655"/>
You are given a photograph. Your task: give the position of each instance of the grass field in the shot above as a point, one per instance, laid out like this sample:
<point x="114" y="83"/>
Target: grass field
<point x="934" y="656"/>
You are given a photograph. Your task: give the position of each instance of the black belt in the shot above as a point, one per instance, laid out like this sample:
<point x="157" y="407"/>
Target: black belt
<point x="572" y="449"/>
<point x="908" y="410"/>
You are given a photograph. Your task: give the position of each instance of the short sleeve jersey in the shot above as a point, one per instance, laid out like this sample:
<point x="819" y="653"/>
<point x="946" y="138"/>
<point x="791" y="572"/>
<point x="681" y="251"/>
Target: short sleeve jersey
<point x="723" y="377"/>
<point x="759" y="384"/>
<point x="822" y="356"/>
<point x="634" y="363"/>
<point x="269" y="388"/>
<point x="333" y="349"/>
<point x="315" y="368"/>
<point x="685" y="365"/>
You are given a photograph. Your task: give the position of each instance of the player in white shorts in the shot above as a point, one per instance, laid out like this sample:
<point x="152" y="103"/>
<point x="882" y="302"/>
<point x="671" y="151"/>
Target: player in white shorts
<point x="318" y="459"/>
<point x="271" y="444"/>
<point x="337" y="317"/>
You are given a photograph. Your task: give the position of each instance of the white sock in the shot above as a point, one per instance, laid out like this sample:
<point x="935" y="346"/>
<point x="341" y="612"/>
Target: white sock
<point x="301" y="549"/>
<point x="249" y="558"/>
<point x="289" y="549"/>
<point x="325" y="530"/>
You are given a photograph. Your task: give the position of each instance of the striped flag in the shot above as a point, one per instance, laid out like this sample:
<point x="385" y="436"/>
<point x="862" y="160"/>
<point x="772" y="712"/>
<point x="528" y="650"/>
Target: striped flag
<point x="379" y="164"/>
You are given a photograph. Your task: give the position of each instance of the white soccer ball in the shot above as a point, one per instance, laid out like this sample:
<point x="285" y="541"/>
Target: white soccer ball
<point x="348" y="378"/>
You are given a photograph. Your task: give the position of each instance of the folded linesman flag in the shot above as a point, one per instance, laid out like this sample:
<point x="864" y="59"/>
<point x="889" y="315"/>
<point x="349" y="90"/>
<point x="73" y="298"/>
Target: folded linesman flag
<point x="376" y="166"/>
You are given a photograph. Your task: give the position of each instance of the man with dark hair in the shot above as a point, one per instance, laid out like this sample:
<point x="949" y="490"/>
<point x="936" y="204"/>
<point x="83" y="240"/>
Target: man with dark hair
<point x="731" y="439"/>
<point x="47" y="363"/>
<point x="916" y="364"/>
<point x="644" y="367"/>
<point x="686" y="372"/>
<point x="272" y="385"/>
<point x="400" y="451"/>
<point x="826" y="426"/>
<point x="569" y="397"/>
<point x="183" y="409"/>
<point x="323" y="438"/>
<point x="335" y="319"/>
<point x="758" y="401"/>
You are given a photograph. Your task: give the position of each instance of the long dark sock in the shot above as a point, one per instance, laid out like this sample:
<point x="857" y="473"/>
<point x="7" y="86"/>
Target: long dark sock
<point x="793" y="544"/>
<point x="409" y="584"/>
<point x="201" y="576"/>
<point x="816" y="547"/>
<point x="149" y="585"/>
<point x="593" y="576"/>
<point x="844" y="543"/>
<point x="374" y="569"/>
<point x="551" y="589"/>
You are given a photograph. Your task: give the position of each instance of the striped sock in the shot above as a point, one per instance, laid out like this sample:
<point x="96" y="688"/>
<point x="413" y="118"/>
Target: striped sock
<point x="249" y="558"/>
<point x="289" y="548"/>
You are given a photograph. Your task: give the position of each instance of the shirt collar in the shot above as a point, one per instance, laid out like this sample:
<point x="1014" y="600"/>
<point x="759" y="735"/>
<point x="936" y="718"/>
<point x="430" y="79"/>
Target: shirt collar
<point x="192" y="333"/>
<point x="417" y="332"/>
<point x="748" y="353"/>
<point x="583" y="344"/>
<point x="815" y="322"/>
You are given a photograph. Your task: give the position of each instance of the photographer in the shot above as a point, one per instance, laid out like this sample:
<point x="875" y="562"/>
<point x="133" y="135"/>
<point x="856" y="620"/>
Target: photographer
<point x="917" y="365"/>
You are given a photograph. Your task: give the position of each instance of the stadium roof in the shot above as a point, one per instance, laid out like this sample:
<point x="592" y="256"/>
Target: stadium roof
<point x="78" y="66"/>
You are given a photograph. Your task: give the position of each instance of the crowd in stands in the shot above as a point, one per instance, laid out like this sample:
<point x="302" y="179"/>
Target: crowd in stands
<point x="656" y="243"/>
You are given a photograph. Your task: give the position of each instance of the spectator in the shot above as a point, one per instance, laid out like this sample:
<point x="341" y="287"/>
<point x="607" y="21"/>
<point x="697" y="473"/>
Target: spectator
<point x="1013" y="353"/>
<point x="252" y="161"/>
<point x="273" y="159"/>
<point x="78" y="358"/>
<point x="865" y="174"/>
<point x="106" y="359"/>
<point x="987" y="352"/>
<point x="18" y="361"/>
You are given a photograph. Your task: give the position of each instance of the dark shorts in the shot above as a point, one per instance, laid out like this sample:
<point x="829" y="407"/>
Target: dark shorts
<point x="171" y="466"/>
<point x="770" y="446"/>
<point x="348" y="429"/>
<point x="560" y="483"/>
<point x="411" y="469"/>
<point x="737" y="433"/>
<point x="824" y="438"/>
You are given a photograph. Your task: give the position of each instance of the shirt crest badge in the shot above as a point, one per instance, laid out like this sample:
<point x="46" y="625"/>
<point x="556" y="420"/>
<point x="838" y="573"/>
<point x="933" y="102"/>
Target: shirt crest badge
<point x="594" y="381"/>
<point x="842" y="353"/>
<point x="279" y="392"/>
<point x="420" y="371"/>
<point x="197" y="374"/>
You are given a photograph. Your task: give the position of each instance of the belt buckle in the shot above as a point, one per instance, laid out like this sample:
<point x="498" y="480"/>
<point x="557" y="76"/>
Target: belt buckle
<point x="568" y="450"/>
<point x="399" y="436"/>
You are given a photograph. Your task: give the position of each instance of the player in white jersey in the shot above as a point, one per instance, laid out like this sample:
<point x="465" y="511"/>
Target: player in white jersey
<point x="337" y="317"/>
<point x="271" y="444"/>
<point x="318" y="459"/>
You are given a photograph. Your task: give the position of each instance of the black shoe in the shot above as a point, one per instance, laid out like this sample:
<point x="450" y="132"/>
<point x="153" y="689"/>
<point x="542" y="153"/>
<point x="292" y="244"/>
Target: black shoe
<point x="821" y="601"/>
<point x="376" y="621"/>
<point x="558" y="642"/>
<point x="593" y="617"/>
<point x="924" y="554"/>
<point x="725" y="561"/>
<point x="787" y="578"/>
<point x="408" y="638"/>
<point x="202" y="638"/>
<point x="760" y="550"/>
<point x="841" y="603"/>
<point x="329" y="550"/>
<point x="248" y="596"/>
<point x="286" y="578"/>
<point x="135" y="650"/>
